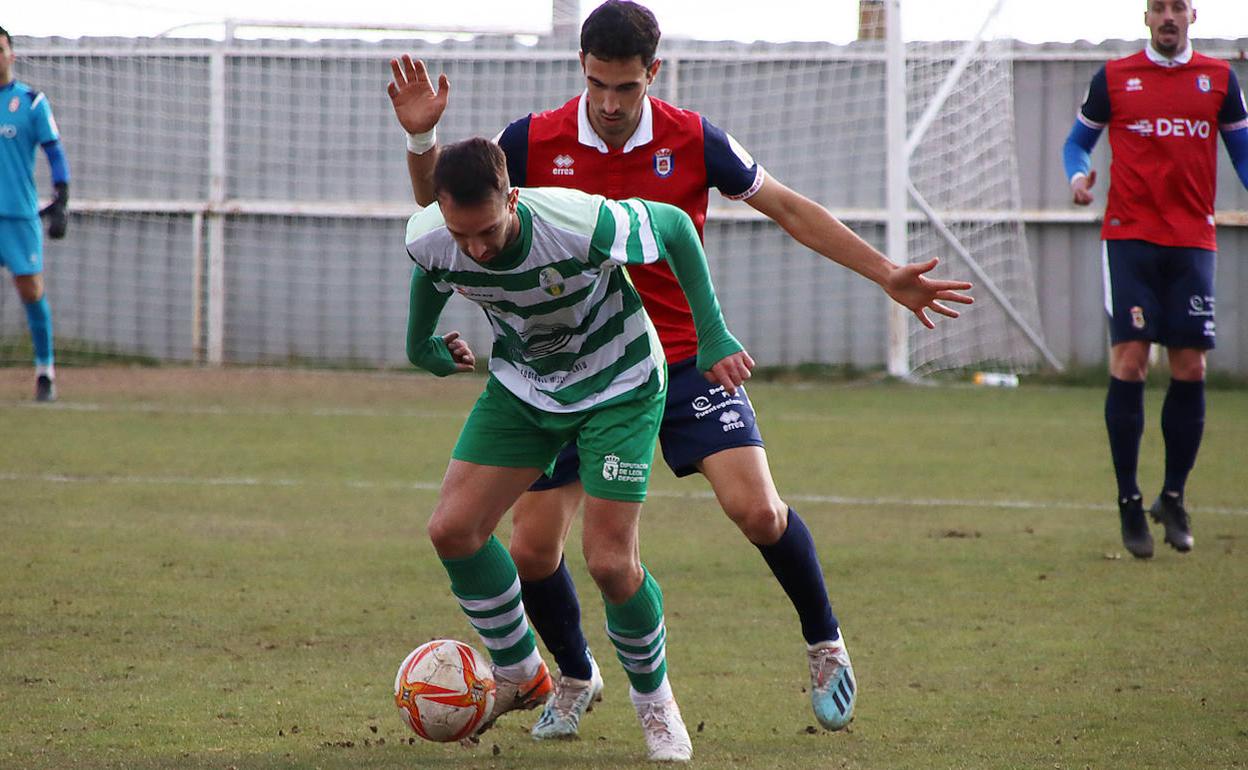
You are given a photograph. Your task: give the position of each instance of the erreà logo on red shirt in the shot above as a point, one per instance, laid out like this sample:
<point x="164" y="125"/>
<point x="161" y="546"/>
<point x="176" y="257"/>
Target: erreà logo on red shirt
<point x="1180" y="127"/>
<point x="563" y="166"/>
<point x="663" y="162"/>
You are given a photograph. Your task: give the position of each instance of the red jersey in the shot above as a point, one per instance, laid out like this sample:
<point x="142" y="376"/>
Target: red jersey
<point x="673" y="157"/>
<point x="1163" y="117"/>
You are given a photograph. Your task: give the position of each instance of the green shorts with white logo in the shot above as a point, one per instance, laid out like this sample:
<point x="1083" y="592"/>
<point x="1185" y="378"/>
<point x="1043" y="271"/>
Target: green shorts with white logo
<point x="615" y="442"/>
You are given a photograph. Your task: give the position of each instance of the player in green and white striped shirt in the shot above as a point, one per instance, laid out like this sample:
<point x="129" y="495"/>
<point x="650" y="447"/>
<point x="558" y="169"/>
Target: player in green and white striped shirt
<point x="575" y="357"/>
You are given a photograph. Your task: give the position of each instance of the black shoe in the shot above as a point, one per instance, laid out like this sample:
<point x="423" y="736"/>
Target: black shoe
<point x="1135" y="535"/>
<point x="1169" y="512"/>
<point x="45" y="388"/>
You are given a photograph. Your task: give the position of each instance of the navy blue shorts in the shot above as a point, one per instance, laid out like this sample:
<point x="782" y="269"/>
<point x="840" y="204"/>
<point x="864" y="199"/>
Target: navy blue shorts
<point x="1160" y="294"/>
<point x="699" y="420"/>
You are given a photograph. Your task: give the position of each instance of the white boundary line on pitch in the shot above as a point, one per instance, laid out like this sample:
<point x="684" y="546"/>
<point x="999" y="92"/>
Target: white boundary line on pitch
<point x="220" y="411"/>
<point x="425" y="486"/>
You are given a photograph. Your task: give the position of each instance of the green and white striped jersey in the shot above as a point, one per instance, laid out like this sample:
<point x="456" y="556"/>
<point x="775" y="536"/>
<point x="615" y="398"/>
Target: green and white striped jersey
<point x="570" y="332"/>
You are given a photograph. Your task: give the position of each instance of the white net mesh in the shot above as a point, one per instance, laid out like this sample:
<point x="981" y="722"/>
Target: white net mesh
<point x="245" y="202"/>
<point x="966" y="168"/>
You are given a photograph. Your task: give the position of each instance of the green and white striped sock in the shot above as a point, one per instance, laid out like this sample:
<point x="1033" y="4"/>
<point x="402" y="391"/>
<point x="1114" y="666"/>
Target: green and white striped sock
<point x="488" y="590"/>
<point x="637" y="630"/>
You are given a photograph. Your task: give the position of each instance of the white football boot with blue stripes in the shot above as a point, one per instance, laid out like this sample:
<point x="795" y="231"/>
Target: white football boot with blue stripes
<point x="832" y="686"/>
<point x="561" y="718"/>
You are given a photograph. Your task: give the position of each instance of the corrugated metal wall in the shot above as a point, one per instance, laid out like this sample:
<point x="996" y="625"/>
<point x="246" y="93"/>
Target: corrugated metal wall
<point x="323" y="287"/>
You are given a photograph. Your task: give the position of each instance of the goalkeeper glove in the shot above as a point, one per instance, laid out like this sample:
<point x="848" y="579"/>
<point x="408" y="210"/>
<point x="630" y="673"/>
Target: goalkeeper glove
<point x="54" y="212"/>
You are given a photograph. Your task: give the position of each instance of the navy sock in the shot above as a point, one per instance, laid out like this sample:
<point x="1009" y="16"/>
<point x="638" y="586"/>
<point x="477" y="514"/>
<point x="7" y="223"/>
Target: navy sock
<point x="795" y="563"/>
<point x="1182" y="425"/>
<point x="556" y="616"/>
<point x="1124" y="418"/>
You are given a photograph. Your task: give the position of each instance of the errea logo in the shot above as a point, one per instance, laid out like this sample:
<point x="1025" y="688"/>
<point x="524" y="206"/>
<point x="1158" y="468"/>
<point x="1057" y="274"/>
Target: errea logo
<point x="1134" y="84"/>
<point x="731" y="420"/>
<point x="563" y="166"/>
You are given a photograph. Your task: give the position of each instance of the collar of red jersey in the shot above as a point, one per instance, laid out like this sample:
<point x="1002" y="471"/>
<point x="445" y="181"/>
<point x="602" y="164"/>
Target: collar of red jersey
<point x="1183" y="57"/>
<point x="587" y="136"/>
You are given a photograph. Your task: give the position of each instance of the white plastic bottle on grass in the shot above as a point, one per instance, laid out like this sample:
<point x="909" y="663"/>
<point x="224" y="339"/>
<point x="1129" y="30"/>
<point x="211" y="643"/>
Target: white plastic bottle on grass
<point x="996" y="379"/>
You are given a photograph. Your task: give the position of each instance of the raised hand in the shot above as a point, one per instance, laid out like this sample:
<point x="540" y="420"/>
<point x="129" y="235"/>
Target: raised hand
<point x="731" y="371"/>
<point x="908" y="286"/>
<point x="465" y="361"/>
<point x="417" y="106"/>
<point x="1081" y="188"/>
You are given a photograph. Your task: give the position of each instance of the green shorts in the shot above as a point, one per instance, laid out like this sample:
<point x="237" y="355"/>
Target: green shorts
<point x="615" y="442"/>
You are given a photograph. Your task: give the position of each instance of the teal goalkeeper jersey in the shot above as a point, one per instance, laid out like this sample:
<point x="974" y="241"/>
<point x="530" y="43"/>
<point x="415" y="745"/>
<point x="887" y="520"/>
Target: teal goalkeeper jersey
<point x="25" y="123"/>
<point x="570" y="333"/>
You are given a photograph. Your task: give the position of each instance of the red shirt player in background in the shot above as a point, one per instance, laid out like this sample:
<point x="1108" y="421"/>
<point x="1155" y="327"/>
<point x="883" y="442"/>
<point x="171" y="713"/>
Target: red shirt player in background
<point x="616" y="140"/>
<point x="1164" y="107"/>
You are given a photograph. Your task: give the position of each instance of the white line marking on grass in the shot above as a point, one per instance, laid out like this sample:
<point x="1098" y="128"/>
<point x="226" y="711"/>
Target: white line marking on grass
<point x="425" y="486"/>
<point x="221" y="411"/>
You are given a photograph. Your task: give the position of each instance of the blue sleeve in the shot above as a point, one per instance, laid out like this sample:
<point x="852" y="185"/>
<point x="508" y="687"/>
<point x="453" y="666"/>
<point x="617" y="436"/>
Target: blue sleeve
<point x="42" y="122"/>
<point x="729" y="168"/>
<point x="514" y="139"/>
<point x="57" y="161"/>
<point x="1233" y="112"/>
<point x="1237" y="148"/>
<point x="1077" y="151"/>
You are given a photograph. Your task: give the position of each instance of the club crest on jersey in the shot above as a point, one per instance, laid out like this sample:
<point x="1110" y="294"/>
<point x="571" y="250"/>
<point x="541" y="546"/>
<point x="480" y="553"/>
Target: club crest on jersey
<point x="551" y="281"/>
<point x="1202" y="82"/>
<point x="1137" y="317"/>
<point x="14" y="103"/>
<point x="663" y="162"/>
<point x="1134" y="84"/>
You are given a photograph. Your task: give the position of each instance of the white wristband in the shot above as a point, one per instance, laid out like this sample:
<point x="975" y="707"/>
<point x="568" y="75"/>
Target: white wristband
<point x="419" y="144"/>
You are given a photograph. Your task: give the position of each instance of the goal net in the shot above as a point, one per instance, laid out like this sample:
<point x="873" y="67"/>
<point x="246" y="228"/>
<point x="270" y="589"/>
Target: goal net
<point x="244" y="202"/>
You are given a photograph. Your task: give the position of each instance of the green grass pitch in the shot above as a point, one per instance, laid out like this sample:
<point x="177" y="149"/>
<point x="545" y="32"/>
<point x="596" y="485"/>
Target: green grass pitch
<point x="224" y="569"/>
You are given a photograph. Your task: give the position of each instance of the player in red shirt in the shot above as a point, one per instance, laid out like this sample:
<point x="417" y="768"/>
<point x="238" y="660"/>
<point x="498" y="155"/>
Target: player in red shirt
<point x="616" y="140"/>
<point x="1164" y="107"/>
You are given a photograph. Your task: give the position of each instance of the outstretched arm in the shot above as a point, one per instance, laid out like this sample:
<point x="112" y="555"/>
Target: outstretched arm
<point x="720" y="356"/>
<point x="441" y="355"/>
<point x="418" y="108"/>
<point x="816" y="228"/>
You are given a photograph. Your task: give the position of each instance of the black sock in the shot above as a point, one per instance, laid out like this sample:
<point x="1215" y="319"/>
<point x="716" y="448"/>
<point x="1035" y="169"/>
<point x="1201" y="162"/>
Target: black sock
<point x="1124" y="419"/>
<point x="1182" y="425"/>
<point x="795" y="563"/>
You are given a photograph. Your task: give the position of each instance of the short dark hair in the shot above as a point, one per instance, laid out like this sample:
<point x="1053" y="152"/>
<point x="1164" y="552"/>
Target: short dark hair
<point x="618" y="30"/>
<point x="471" y="171"/>
<point x="4" y="33"/>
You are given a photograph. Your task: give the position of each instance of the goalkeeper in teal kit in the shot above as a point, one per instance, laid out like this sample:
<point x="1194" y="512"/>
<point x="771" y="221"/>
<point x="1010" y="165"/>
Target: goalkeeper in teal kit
<point x="26" y="122"/>
<point x="575" y="358"/>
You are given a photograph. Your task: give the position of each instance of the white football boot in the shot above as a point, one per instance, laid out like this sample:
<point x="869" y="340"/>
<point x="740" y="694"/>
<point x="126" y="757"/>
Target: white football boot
<point x="666" y="736"/>
<point x="561" y="718"/>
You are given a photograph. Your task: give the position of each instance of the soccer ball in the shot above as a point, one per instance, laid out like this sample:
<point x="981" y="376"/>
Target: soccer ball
<point x="444" y="690"/>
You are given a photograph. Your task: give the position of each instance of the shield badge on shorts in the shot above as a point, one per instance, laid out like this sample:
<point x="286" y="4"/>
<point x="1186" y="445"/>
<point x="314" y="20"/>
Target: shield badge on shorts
<point x="1203" y="84"/>
<point x="663" y="162"/>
